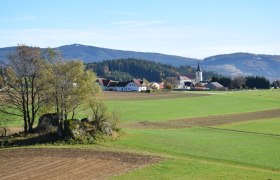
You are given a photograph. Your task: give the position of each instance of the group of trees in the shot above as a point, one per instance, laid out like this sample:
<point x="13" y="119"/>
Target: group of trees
<point x="40" y="82"/>
<point x="127" y="69"/>
<point x="241" y="82"/>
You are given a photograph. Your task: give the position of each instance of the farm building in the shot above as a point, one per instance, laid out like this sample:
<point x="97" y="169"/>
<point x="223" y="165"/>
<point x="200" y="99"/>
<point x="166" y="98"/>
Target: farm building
<point x="182" y="82"/>
<point x="133" y="85"/>
<point x="215" y="86"/>
<point x="106" y="84"/>
<point x="155" y="85"/>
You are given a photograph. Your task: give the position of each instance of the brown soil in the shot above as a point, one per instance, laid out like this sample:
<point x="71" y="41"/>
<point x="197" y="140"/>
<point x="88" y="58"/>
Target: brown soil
<point x="68" y="163"/>
<point x="127" y="96"/>
<point x="212" y="120"/>
<point x="14" y="129"/>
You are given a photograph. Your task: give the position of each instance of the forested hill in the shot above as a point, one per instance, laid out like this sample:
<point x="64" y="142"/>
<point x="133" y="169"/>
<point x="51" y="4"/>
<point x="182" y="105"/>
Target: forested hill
<point x="126" y="69"/>
<point x="95" y="54"/>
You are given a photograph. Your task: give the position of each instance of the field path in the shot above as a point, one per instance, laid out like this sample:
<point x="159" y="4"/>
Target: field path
<point x="211" y="120"/>
<point x="68" y="163"/>
<point x="134" y="96"/>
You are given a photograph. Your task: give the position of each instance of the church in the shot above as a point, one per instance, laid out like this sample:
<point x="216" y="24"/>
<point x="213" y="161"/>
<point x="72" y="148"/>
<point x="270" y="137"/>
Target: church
<point x="186" y="83"/>
<point x="198" y="74"/>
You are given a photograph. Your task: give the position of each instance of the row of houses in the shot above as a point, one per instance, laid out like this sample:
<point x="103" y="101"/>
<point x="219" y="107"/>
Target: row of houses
<point x="127" y="86"/>
<point x="180" y="83"/>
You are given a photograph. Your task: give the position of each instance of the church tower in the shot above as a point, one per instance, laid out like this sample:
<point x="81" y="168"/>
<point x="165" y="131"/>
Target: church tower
<point x="198" y="74"/>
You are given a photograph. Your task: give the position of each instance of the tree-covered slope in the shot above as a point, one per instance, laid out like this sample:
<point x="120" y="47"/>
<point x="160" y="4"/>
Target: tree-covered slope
<point x="125" y="69"/>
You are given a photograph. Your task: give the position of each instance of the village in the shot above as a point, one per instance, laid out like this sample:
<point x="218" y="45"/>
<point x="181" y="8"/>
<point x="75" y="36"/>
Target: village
<point x="180" y="83"/>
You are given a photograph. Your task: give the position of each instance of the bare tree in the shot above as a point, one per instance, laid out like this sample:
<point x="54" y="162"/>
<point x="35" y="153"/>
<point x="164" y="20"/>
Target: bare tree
<point x="25" y="85"/>
<point x="239" y="82"/>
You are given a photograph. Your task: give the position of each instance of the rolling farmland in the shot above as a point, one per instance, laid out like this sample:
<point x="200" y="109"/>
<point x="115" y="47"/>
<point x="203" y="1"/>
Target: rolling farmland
<point x="233" y="135"/>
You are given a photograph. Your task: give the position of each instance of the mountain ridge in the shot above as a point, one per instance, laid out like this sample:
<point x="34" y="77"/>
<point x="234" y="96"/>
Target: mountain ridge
<point x="233" y="64"/>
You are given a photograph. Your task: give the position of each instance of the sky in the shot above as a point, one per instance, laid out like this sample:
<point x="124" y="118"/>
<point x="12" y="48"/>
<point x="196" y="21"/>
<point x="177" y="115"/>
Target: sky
<point x="190" y="28"/>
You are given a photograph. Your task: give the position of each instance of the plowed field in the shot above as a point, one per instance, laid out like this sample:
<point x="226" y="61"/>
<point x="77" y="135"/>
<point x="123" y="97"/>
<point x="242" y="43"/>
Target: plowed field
<point x="212" y="120"/>
<point x="68" y="163"/>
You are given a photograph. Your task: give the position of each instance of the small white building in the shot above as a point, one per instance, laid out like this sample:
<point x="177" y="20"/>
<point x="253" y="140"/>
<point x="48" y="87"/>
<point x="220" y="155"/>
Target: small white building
<point x="183" y="82"/>
<point x="133" y="85"/>
<point x="154" y="85"/>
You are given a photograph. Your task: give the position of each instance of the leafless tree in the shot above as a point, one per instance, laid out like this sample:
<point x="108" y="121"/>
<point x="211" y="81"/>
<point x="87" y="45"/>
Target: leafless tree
<point x="25" y="85"/>
<point x="239" y="82"/>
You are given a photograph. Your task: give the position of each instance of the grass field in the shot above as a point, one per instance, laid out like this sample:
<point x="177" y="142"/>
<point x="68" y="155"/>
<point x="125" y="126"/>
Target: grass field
<point x="177" y="108"/>
<point x="236" y="150"/>
<point x="196" y="169"/>
<point x="267" y="126"/>
<point x="243" y="150"/>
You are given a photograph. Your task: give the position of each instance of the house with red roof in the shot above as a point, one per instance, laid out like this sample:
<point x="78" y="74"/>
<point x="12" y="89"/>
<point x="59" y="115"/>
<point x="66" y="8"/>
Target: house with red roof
<point x="124" y="86"/>
<point x="107" y="84"/>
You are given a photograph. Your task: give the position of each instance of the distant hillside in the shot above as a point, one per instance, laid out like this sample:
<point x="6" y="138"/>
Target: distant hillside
<point x="127" y="69"/>
<point x="229" y="65"/>
<point x="244" y="64"/>
<point x="4" y="52"/>
<point x="95" y="54"/>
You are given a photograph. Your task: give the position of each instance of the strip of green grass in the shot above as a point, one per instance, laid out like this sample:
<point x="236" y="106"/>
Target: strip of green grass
<point x="244" y="148"/>
<point x="193" y="169"/>
<point x="167" y="109"/>
<point x="269" y="126"/>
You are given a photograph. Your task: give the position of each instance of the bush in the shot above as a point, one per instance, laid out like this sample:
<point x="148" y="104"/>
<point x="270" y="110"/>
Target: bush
<point x="103" y="121"/>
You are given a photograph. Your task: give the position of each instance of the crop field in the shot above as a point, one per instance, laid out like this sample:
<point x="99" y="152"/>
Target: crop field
<point x="187" y="135"/>
<point x="211" y="120"/>
<point x="68" y="163"/>
<point x="132" y="96"/>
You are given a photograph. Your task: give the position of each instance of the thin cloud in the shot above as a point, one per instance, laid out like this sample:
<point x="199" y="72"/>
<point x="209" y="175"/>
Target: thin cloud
<point x="120" y="13"/>
<point x="136" y="23"/>
<point x="18" y="19"/>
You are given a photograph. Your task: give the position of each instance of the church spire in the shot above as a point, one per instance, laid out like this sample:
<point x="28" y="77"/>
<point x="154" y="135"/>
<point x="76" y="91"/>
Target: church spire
<point x="198" y="67"/>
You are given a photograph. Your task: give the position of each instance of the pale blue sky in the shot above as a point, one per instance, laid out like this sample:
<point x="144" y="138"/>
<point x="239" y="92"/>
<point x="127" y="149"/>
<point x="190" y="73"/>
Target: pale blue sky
<point x="191" y="28"/>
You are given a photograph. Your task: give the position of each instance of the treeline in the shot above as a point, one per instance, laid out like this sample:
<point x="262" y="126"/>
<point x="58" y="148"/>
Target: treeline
<point x="126" y="69"/>
<point x="241" y="82"/>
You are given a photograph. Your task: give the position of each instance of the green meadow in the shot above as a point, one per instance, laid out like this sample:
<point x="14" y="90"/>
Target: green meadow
<point x="220" y="103"/>
<point x="265" y="126"/>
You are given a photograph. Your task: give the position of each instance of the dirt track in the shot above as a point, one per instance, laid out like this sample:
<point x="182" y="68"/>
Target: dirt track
<point x="212" y="120"/>
<point x="132" y="96"/>
<point x="68" y="163"/>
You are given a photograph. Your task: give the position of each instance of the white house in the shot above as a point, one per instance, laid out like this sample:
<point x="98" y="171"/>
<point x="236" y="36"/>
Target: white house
<point x="183" y="82"/>
<point x="154" y="85"/>
<point x="133" y="85"/>
<point x="107" y="85"/>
